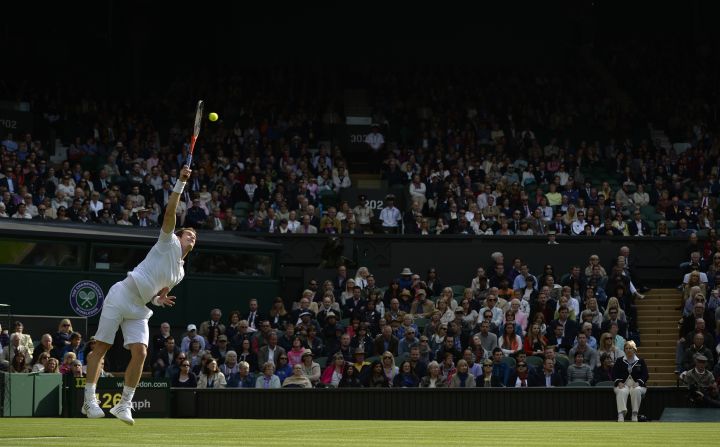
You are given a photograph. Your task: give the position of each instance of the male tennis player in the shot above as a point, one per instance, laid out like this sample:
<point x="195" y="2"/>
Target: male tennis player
<point x="125" y="306"/>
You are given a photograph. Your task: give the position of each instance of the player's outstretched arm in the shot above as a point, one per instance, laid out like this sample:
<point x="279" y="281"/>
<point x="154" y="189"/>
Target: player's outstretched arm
<point x="169" y="219"/>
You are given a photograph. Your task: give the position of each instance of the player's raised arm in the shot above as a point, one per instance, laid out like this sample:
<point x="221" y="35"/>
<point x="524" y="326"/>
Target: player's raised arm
<point x="169" y="219"/>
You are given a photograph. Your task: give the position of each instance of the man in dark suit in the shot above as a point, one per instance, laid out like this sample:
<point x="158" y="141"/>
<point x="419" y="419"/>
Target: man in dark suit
<point x="42" y="215"/>
<point x="271" y="223"/>
<point x="630" y="267"/>
<point x="558" y="225"/>
<point x="165" y="357"/>
<point x="356" y="304"/>
<point x="162" y="195"/>
<point x="675" y="210"/>
<point x="547" y="376"/>
<point x="254" y="317"/>
<point x="102" y="183"/>
<point x="386" y="341"/>
<point x="340" y="279"/>
<point x="141" y="219"/>
<point x="514" y="224"/>
<point x="607" y="325"/>
<point x="9" y="181"/>
<point x="638" y="227"/>
<point x="564" y="330"/>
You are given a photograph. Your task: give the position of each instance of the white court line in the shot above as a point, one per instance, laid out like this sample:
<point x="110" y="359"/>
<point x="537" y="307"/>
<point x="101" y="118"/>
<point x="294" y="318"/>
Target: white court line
<point x="35" y="437"/>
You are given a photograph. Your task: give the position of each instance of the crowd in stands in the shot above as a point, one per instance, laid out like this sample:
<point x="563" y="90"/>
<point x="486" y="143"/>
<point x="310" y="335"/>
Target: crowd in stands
<point x="507" y="327"/>
<point x="502" y="156"/>
<point x="697" y="345"/>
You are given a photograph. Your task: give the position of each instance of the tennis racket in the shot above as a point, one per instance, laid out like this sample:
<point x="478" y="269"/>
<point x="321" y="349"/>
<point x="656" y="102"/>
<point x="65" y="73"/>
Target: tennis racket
<point x="196" y="131"/>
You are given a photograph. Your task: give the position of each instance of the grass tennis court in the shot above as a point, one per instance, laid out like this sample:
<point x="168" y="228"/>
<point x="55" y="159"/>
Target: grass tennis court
<point x="200" y="432"/>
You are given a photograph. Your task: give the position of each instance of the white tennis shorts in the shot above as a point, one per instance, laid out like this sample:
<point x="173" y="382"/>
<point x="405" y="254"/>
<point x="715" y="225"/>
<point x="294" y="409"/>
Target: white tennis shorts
<point x="123" y="308"/>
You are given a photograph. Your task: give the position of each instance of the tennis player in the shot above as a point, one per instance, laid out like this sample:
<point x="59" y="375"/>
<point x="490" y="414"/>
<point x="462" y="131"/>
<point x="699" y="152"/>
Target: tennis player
<point x="125" y="306"/>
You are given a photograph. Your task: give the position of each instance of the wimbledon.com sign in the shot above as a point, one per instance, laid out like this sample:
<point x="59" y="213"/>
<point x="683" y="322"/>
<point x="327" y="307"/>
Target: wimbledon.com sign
<point x="152" y="397"/>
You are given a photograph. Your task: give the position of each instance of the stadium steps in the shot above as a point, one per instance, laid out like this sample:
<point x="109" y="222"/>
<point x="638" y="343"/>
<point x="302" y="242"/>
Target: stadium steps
<point x="657" y="323"/>
<point x="367" y="181"/>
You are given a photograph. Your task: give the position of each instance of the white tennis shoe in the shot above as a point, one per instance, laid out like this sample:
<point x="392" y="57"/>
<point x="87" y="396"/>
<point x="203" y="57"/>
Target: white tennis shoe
<point x="122" y="411"/>
<point x="92" y="409"/>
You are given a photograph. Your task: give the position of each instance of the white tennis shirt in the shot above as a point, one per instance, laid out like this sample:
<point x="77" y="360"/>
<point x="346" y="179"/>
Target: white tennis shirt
<point x="162" y="267"/>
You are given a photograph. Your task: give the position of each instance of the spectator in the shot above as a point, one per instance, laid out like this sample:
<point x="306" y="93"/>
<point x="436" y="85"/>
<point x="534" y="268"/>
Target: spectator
<point x="604" y="371"/>
<point x="230" y="366"/>
<point x="297" y="379"/>
<point x="376" y="378"/>
<point x="350" y="378"/>
<point x="62" y="337"/>
<point x="66" y="366"/>
<point x="185" y="378"/>
<point x="25" y="339"/>
<point x="462" y="378"/>
<point x="268" y="379"/>
<point x="165" y="357"/>
<point x="215" y="316"/>
<point x="53" y="366"/>
<point x="406" y="377"/>
<point x="520" y="377"/>
<point x="311" y="369"/>
<point x="488" y="379"/>
<point x="579" y="370"/>
<point x="211" y="376"/>
<point x="191" y="336"/>
<point x="547" y="376"/>
<point x="696" y="348"/>
<point x="701" y="383"/>
<point x="75" y="346"/>
<point x="41" y="363"/>
<point x="334" y="372"/>
<point x="9" y="352"/>
<point x="243" y="378"/>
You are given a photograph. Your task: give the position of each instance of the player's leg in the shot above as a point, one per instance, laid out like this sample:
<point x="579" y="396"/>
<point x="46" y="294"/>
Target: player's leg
<point x="93" y="361"/>
<point x="137" y="337"/>
<point x="110" y="320"/>
<point x="135" y="367"/>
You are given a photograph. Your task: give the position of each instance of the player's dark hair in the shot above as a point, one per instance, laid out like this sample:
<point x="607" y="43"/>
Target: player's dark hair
<point x="179" y="232"/>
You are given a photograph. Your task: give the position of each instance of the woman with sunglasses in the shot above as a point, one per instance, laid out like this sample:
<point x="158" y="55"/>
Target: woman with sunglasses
<point x="62" y="337"/>
<point x="185" y="377"/>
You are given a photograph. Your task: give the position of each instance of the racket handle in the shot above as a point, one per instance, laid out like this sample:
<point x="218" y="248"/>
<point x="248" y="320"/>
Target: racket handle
<point x="189" y="160"/>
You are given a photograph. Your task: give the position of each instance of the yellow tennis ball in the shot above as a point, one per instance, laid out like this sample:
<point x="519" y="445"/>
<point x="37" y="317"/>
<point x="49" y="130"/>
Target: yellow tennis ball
<point x="213" y="116"/>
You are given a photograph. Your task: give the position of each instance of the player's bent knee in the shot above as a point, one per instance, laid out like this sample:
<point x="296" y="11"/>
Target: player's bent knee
<point x="138" y="350"/>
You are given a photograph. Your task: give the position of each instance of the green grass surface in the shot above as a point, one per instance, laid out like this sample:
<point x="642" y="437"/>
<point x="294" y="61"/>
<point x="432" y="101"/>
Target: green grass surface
<point x="206" y="432"/>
